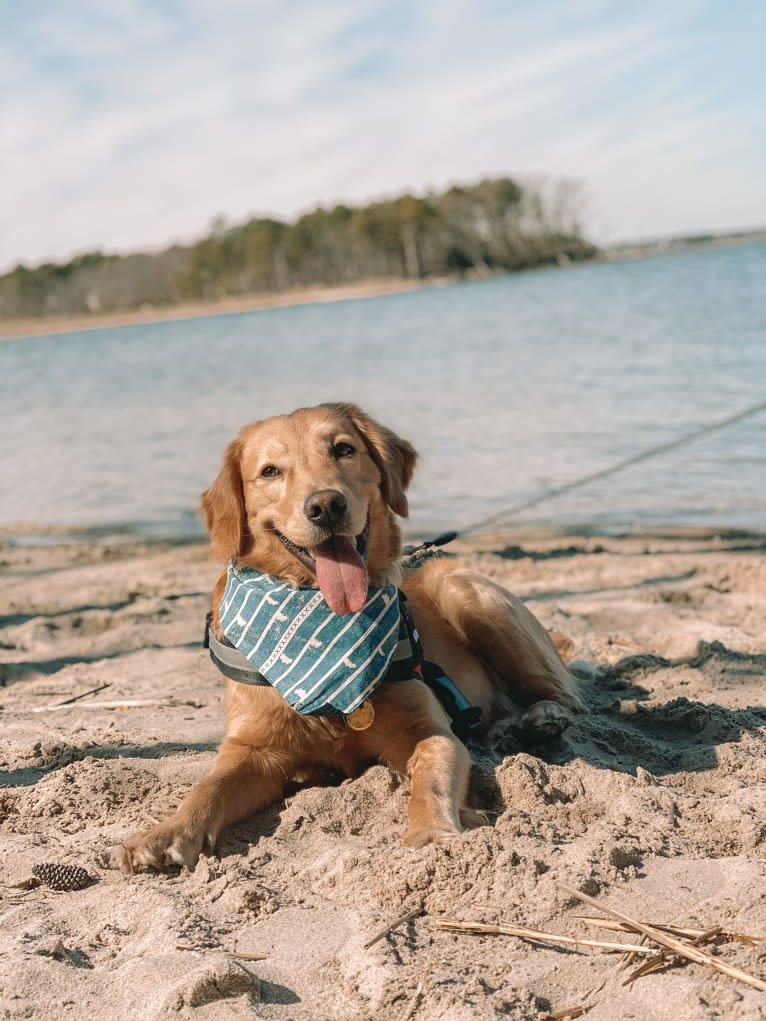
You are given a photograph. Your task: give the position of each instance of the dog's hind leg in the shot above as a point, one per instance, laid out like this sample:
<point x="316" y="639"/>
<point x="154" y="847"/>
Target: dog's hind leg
<point x="242" y="780"/>
<point x="509" y="639"/>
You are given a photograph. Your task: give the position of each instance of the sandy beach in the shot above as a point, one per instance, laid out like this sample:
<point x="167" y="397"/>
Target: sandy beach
<point x="10" y="329"/>
<point x="654" y="803"/>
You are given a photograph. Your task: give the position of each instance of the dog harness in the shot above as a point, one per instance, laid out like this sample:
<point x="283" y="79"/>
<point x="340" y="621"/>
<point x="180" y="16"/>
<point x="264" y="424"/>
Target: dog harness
<point x="323" y="663"/>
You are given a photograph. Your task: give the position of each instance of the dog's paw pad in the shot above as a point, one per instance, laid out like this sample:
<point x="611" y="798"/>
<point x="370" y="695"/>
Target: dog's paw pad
<point x="545" y="719"/>
<point x="160" y="848"/>
<point x="131" y="858"/>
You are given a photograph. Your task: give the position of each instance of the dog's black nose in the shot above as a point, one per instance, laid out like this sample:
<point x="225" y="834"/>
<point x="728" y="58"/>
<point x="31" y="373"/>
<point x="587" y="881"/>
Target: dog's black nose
<point x="325" y="508"/>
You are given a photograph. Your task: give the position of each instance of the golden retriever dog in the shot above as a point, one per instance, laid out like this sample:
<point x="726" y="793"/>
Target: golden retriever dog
<point x="293" y="500"/>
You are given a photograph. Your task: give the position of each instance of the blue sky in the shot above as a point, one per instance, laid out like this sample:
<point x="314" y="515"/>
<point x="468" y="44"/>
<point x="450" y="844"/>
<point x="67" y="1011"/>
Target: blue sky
<point x="130" y="124"/>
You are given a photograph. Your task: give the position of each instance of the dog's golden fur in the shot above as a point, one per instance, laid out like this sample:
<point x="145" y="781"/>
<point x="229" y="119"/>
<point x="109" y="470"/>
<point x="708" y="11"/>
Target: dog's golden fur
<point x="494" y="649"/>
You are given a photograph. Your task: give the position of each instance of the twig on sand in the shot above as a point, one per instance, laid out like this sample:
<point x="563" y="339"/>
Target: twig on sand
<point x="74" y="698"/>
<point x="537" y="936"/>
<point x="568" y="1013"/>
<point x="401" y="920"/>
<point x="117" y="703"/>
<point x="681" y="949"/>
<point x="240" y="955"/>
<point x="627" y="959"/>
<point x="677" y="930"/>
<point x="658" y="963"/>
<point x="665" y="959"/>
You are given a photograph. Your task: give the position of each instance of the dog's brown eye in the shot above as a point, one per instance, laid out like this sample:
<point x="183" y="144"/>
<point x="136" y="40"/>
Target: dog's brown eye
<point x="270" y="471"/>
<point x="342" y="450"/>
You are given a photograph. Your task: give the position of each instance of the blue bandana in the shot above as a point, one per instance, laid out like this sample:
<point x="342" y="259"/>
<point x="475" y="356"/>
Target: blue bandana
<point x="321" y="662"/>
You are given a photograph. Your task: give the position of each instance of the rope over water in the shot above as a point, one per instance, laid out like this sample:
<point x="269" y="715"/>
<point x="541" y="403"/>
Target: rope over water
<point x="502" y="516"/>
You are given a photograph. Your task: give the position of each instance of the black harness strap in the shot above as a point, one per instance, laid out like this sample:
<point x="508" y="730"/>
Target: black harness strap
<point x="465" y="719"/>
<point x="231" y="662"/>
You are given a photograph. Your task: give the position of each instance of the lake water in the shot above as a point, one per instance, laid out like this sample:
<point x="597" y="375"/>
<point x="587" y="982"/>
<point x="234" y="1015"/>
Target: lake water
<point x="508" y="387"/>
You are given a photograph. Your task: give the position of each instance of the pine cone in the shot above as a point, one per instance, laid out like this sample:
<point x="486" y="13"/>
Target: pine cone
<point x="61" y="877"/>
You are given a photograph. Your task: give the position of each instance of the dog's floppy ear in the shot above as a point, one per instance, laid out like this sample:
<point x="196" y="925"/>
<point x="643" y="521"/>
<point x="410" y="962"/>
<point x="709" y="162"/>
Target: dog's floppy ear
<point x="224" y="506"/>
<point x="395" y="458"/>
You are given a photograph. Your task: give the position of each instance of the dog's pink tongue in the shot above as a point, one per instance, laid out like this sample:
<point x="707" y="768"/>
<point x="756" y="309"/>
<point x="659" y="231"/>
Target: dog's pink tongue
<point x="341" y="574"/>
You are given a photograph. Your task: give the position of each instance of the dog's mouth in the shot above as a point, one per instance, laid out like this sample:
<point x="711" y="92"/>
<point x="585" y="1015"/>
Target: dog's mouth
<point x="339" y="565"/>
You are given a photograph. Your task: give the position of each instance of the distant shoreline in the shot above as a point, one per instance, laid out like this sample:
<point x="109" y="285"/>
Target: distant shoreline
<point x="629" y="250"/>
<point x="15" y="329"/>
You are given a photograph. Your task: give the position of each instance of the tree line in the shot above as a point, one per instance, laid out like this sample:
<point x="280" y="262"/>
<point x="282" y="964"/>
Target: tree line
<point x="498" y="225"/>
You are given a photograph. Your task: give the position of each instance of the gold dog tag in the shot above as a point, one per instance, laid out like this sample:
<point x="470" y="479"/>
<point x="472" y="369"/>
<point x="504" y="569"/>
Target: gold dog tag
<point x="362" y="717"/>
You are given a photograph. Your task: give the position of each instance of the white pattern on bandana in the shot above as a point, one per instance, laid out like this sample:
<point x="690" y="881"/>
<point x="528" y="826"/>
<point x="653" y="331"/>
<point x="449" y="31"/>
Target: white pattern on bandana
<point x="321" y="662"/>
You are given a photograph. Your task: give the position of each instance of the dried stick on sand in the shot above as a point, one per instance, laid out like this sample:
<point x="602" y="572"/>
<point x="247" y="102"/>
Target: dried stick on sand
<point x="240" y="955"/>
<point x="677" y="930"/>
<point x="687" y="950"/>
<point x="480" y="928"/>
<point x="394" y="925"/>
<point x="117" y="703"/>
<point x="569" y="1013"/>
<point x="74" y="698"/>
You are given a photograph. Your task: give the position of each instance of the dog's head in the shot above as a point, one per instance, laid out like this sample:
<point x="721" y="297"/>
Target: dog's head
<point x="308" y="496"/>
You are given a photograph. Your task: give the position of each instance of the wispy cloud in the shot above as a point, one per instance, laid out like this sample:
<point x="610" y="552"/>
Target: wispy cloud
<point x="131" y="124"/>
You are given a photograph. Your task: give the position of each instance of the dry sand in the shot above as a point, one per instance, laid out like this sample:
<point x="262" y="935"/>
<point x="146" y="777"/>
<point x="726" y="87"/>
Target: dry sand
<point x="655" y="803"/>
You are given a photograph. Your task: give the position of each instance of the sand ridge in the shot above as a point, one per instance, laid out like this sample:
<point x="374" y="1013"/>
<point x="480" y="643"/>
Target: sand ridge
<point x="655" y="801"/>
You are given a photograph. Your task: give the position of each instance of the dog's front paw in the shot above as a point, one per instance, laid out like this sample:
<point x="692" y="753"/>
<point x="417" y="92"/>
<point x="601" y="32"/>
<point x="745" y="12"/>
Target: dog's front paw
<point x="169" y="843"/>
<point x="421" y="837"/>
<point x="545" y="719"/>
